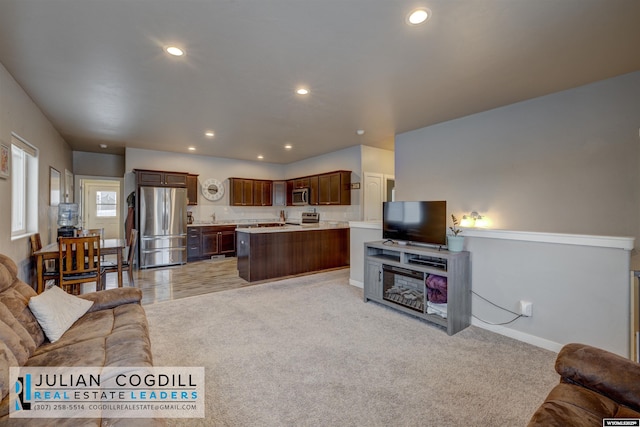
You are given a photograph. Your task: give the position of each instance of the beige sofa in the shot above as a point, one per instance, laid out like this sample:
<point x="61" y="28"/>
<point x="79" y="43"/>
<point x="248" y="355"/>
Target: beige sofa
<point x="113" y="332"/>
<point x="594" y="384"/>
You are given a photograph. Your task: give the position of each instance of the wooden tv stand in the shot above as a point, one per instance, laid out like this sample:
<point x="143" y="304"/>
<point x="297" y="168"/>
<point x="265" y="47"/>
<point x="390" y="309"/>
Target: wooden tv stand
<point x="389" y="265"/>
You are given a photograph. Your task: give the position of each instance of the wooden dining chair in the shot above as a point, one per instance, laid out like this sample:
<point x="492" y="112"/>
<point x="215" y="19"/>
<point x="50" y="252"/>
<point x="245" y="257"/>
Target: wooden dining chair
<point x="95" y="231"/>
<point x="50" y="268"/>
<point x="79" y="260"/>
<point x="127" y="265"/>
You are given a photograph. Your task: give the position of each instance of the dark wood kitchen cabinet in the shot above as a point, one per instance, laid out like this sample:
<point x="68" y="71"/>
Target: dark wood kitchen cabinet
<point x="205" y="241"/>
<point x="192" y="189"/>
<point x="262" y="193"/>
<point x="314" y="190"/>
<point x="160" y="178"/>
<point x="301" y="182"/>
<point x="193" y="243"/>
<point x="334" y="188"/>
<point x="241" y="192"/>
<point x="209" y="241"/>
<point x="269" y="255"/>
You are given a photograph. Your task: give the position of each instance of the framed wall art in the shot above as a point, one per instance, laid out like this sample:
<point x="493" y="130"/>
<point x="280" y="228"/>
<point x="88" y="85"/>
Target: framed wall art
<point x="4" y="161"/>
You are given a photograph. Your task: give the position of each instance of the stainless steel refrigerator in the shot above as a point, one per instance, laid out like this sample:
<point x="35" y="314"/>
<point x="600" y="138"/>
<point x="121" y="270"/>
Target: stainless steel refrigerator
<point x="163" y="226"/>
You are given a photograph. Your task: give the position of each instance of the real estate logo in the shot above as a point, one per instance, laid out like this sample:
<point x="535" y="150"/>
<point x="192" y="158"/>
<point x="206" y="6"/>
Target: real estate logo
<point x="109" y="392"/>
<point x="620" y="422"/>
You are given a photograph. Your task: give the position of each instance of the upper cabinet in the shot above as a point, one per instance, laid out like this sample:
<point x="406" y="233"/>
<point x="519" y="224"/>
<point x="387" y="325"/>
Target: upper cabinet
<point x="160" y="178"/>
<point x="301" y="182"/>
<point x="192" y="189"/>
<point x="279" y="193"/>
<point x="314" y="190"/>
<point x="334" y="188"/>
<point x="262" y="193"/>
<point x="241" y="192"/>
<point x="250" y="192"/>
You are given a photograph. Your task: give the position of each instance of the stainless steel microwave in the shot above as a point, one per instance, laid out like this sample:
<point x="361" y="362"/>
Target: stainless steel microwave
<point x="300" y="196"/>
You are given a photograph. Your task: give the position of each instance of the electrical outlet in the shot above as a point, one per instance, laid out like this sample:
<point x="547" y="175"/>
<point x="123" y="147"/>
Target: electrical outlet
<point x="526" y="308"/>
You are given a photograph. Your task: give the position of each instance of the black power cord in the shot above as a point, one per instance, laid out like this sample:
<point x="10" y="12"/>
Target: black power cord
<point x="518" y="315"/>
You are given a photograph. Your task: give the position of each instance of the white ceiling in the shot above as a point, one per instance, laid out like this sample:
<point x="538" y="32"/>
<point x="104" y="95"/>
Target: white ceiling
<point x="98" y="71"/>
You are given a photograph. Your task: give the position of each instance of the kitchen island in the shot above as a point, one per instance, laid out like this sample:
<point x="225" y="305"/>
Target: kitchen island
<point x="272" y="252"/>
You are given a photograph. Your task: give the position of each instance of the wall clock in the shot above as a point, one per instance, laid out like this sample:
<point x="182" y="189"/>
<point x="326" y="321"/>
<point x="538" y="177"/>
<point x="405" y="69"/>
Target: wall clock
<point x="212" y="189"/>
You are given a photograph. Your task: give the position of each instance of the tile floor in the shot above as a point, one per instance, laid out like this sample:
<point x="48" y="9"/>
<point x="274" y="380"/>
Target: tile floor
<point x="167" y="283"/>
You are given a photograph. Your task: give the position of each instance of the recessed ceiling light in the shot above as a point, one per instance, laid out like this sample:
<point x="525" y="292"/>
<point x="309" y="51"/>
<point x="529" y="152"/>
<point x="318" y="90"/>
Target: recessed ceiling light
<point x="209" y="134"/>
<point x="418" y="16"/>
<point x="260" y="156"/>
<point x="192" y="148"/>
<point x="103" y="145"/>
<point x="288" y="146"/>
<point x="302" y="91"/>
<point x="360" y="132"/>
<point x="174" y="50"/>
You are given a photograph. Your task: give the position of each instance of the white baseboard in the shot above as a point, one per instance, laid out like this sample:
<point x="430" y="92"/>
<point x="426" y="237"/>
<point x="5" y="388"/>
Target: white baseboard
<point x="508" y="332"/>
<point x="356" y="283"/>
<point x="520" y="336"/>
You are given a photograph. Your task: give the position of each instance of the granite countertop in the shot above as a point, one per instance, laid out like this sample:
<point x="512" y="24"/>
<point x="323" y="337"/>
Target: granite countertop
<point x="266" y="226"/>
<point x="323" y="225"/>
<point x="236" y="223"/>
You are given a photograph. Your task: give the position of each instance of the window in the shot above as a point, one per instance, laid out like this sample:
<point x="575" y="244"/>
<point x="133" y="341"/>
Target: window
<point x="24" y="187"/>
<point x="106" y="204"/>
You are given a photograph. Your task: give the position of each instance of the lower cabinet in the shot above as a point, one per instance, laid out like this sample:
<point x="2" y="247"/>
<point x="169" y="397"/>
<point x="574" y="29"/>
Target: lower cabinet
<point x="193" y="243"/>
<point x="203" y="242"/>
<point x="373" y="279"/>
<point x="209" y="237"/>
<point x="268" y="255"/>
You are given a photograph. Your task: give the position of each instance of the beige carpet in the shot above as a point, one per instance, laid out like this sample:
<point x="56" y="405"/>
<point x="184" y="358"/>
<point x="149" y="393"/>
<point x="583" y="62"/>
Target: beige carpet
<point x="308" y="351"/>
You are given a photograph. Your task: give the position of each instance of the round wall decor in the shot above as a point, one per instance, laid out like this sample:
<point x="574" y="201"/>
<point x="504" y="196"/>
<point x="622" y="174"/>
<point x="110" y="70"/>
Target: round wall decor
<point x="212" y="189"/>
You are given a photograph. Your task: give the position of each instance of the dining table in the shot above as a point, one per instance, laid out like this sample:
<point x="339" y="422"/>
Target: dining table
<point x="107" y="247"/>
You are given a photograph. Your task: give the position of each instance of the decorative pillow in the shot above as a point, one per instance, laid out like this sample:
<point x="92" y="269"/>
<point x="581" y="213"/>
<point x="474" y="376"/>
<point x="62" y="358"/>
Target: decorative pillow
<point x="57" y="310"/>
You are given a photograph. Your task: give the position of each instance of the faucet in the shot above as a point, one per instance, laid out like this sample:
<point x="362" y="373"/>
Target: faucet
<point x="213" y="217"/>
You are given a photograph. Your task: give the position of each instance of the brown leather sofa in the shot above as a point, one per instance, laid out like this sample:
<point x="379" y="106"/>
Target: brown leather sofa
<point x="594" y="384"/>
<point x="113" y="332"/>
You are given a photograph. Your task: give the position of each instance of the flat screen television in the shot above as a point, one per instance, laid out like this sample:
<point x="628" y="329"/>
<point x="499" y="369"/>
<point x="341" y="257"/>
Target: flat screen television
<point x="422" y="222"/>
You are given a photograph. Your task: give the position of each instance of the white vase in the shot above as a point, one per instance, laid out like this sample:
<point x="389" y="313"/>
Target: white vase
<point x="455" y="243"/>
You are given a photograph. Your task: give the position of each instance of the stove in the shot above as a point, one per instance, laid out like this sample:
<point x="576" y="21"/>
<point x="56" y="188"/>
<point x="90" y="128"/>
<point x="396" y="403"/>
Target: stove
<point x="310" y="218"/>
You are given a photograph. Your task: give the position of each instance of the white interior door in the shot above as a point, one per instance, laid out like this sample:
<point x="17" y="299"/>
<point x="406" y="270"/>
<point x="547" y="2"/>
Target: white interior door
<point x="373" y="196"/>
<point x="101" y="208"/>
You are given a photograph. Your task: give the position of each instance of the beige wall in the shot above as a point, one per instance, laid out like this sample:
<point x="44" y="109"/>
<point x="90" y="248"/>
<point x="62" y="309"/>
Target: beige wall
<point x="20" y="115"/>
<point x="378" y="160"/>
<point x="566" y="162"/>
<point x="98" y="164"/>
<point x="345" y="159"/>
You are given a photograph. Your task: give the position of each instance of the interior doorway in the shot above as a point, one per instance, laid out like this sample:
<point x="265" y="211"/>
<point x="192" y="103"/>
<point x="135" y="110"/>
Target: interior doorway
<point x="101" y="206"/>
<point x="378" y="188"/>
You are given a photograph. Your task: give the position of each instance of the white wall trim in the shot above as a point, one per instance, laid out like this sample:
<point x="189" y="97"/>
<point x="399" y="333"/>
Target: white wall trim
<point x="374" y="225"/>
<point x="520" y="336"/>
<point x="612" y="242"/>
